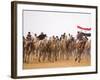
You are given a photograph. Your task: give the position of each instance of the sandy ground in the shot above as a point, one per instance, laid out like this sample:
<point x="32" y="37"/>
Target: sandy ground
<point x="86" y="61"/>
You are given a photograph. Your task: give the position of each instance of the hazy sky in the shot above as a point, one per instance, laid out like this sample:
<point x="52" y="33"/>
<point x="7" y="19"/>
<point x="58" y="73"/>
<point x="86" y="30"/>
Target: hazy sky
<point x="54" y="23"/>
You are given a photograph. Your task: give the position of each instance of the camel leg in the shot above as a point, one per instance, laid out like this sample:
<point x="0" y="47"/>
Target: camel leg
<point x="44" y="56"/>
<point x="40" y="54"/>
<point x="77" y="55"/>
<point x="49" y="56"/>
<point x="55" y="55"/>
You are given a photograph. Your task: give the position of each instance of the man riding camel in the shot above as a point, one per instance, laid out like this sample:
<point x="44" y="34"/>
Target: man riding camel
<point x="81" y="36"/>
<point x="29" y="36"/>
<point x="29" y="39"/>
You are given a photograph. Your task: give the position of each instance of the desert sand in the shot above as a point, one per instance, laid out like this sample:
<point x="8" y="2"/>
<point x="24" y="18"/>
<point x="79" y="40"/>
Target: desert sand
<point x="86" y="61"/>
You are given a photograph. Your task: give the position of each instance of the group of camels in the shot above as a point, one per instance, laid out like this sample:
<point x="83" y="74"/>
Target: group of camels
<point x="54" y="48"/>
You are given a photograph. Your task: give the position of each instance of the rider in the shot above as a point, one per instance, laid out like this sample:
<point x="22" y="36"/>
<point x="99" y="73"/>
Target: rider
<point x="79" y="35"/>
<point x="29" y="36"/>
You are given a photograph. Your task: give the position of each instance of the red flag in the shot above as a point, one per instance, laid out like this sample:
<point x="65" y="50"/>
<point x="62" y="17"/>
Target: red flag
<point x="88" y="29"/>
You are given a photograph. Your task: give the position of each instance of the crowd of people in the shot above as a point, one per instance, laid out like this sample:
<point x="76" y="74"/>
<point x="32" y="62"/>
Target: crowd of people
<point x="54" y="48"/>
